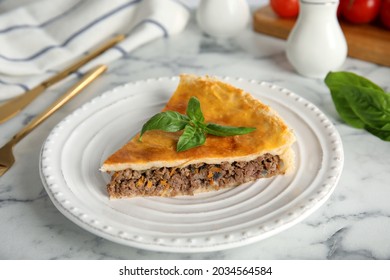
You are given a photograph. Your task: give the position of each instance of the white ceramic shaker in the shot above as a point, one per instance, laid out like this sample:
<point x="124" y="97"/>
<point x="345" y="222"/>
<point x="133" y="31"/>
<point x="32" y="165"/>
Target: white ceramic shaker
<point x="222" y="18"/>
<point x="316" y="45"/>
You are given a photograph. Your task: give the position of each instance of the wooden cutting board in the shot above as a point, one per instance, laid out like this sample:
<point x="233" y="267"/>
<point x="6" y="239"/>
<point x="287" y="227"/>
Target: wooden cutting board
<point x="367" y="42"/>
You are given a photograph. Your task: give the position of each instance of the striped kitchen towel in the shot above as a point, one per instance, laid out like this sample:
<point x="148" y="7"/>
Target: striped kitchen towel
<point x="41" y="38"/>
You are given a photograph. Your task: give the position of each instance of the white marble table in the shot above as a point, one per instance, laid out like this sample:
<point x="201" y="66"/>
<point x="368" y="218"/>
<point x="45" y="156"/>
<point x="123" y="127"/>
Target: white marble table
<point x="353" y="224"/>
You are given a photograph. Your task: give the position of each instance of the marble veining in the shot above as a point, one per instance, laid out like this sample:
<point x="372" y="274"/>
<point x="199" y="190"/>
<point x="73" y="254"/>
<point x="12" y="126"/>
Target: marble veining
<point x="353" y="224"/>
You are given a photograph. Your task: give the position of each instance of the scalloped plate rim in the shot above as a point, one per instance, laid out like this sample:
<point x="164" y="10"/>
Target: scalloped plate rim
<point x="157" y="244"/>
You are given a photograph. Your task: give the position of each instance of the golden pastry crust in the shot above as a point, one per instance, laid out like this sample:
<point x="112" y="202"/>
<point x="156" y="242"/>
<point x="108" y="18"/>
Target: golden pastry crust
<point x="223" y="104"/>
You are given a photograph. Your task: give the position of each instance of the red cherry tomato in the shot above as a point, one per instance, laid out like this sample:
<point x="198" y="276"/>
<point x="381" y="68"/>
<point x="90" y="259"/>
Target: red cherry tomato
<point x="385" y="13"/>
<point x="360" y="11"/>
<point x="285" y="8"/>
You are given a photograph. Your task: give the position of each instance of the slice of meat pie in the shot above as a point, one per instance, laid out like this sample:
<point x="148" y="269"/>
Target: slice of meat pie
<point x="154" y="167"/>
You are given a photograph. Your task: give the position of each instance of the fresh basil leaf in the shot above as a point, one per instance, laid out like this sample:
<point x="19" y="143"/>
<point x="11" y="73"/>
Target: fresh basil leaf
<point x="192" y="137"/>
<point x="169" y="121"/>
<point x="194" y="111"/>
<point x="382" y="134"/>
<point x="220" y="130"/>
<point x="195" y="129"/>
<point x="370" y="105"/>
<point x="345" y="111"/>
<point x="361" y="103"/>
<point x="336" y="79"/>
<point x="335" y="84"/>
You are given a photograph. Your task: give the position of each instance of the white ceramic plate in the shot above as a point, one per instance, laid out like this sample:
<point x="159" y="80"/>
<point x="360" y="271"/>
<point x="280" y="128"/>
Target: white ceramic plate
<point x="75" y="149"/>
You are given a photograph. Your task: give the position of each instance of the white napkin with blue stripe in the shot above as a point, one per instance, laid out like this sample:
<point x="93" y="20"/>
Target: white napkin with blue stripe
<point x="42" y="38"/>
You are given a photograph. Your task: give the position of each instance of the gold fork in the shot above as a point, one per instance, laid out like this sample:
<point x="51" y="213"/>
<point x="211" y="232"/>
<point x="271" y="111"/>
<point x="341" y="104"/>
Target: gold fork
<point x="7" y="158"/>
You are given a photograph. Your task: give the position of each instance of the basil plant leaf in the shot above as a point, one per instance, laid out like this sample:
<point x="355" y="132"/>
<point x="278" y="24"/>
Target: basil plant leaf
<point x="382" y="134"/>
<point x="220" y="130"/>
<point x="370" y="105"/>
<point x="192" y="137"/>
<point x="360" y="103"/>
<point x="337" y="79"/>
<point x="193" y="124"/>
<point x="194" y="111"/>
<point x="335" y="84"/>
<point x="169" y="121"/>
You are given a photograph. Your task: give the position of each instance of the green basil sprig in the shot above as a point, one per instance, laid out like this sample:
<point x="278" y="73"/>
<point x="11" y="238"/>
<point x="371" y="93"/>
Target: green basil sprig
<point x="360" y="103"/>
<point x="193" y="123"/>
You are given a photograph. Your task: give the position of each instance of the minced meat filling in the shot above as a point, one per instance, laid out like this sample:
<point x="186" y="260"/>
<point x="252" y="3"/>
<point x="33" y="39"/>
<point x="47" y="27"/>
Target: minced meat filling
<point x="172" y="181"/>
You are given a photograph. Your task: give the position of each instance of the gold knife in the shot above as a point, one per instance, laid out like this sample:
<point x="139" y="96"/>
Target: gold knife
<point x="7" y="158"/>
<point x="14" y="106"/>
